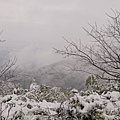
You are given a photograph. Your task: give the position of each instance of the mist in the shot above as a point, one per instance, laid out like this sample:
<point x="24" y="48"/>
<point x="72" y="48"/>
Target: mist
<point x="33" y="58"/>
<point x="32" y="28"/>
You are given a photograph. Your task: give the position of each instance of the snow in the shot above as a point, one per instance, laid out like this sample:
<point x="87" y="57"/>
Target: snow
<point x="74" y="91"/>
<point x="16" y="106"/>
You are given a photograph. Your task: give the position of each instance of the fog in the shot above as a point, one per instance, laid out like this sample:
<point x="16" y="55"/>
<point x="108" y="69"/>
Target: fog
<point x="33" y="27"/>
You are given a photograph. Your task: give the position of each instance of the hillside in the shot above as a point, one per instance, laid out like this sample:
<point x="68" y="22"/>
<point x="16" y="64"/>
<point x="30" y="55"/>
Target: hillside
<point x="56" y="74"/>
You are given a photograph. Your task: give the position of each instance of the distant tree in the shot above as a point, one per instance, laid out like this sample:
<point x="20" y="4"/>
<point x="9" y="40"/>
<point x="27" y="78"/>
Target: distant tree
<point x="103" y="58"/>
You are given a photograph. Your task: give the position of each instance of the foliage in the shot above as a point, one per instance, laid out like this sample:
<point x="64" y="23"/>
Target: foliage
<point x="46" y="103"/>
<point x="6" y="88"/>
<point x="93" y="84"/>
<point x="42" y="92"/>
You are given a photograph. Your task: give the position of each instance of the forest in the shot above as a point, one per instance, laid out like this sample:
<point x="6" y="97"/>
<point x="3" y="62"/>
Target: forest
<point x="99" y="99"/>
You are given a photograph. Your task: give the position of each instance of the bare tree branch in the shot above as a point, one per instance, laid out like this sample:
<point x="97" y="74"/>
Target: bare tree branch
<point x="104" y="55"/>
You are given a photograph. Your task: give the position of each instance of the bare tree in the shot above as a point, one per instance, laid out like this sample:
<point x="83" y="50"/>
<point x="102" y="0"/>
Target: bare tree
<point x="104" y="56"/>
<point x="6" y="69"/>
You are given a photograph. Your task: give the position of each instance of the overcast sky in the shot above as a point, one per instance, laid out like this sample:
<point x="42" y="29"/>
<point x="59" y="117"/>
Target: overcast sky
<point x="34" y="27"/>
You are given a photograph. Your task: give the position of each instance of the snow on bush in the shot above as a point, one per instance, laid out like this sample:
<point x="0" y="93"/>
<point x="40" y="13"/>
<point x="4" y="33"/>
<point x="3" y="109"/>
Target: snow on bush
<point x="42" y="102"/>
<point x="92" y="107"/>
<point x="6" y="88"/>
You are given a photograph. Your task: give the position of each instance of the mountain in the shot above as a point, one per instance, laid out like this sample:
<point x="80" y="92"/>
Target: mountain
<point x="56" y="74"/>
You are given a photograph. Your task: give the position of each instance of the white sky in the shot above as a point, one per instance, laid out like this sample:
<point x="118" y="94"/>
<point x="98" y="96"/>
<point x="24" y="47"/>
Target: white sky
<point x="34" y="27"/>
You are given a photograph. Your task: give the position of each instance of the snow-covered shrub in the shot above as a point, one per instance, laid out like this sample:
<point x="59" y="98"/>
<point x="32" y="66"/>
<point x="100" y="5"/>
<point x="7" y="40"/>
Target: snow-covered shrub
<point x="42" y="102"/>
<point x="20" y="107"/>
<point x="94" y="84"/>
<point x="91" y="107"/>
<point x="6" y="88"/>
<point x="42" y="92"/>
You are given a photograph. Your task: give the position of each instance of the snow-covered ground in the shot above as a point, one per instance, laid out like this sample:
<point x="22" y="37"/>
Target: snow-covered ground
<point x="41" y="102"/>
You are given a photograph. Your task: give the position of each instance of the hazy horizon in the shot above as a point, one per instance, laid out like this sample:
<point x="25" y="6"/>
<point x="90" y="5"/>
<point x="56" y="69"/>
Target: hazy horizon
<point x="32" y="28"/>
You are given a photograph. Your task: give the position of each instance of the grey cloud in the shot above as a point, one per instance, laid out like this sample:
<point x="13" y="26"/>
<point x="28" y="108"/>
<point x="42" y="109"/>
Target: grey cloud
<point x="32" y="56"/>
<point x="41" y="23"/>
